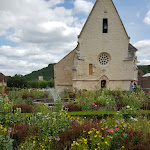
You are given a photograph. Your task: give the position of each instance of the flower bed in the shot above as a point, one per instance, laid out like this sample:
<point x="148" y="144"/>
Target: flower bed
<point x="109" y="120"/>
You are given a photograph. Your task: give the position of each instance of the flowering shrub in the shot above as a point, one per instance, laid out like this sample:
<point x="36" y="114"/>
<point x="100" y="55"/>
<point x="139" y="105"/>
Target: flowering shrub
<point x="25" y="108"/>
<point x="19" y="133"/>
<point x="72" y="107"/>
<point x="5" y="141"/>
<point x="5" y="104"/>
<point x="128" y="112"/>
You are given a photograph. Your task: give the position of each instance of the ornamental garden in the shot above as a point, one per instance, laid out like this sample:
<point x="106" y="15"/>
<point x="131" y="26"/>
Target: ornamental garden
<point x="86" y="120"/>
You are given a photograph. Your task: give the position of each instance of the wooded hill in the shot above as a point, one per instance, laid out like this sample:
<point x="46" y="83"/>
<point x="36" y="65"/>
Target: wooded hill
<point x="48" y="72"/>
<point x="144" y="68"/>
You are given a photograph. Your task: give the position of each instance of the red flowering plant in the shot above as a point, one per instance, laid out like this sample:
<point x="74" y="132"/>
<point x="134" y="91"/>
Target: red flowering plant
<point x="5" y="104"/>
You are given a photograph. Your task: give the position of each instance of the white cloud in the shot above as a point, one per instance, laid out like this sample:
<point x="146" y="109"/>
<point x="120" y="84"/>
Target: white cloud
<point x="147" y="18"/>
<point x="82" y="6"/>
<point x="143" y="47"/>
<point x="45" y="32"/>
<point x="143" y="52"/>
<point x="144" y="62"/>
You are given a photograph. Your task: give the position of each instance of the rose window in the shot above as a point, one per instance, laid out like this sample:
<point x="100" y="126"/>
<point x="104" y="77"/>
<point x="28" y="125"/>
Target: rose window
<point x="103" y="58"/>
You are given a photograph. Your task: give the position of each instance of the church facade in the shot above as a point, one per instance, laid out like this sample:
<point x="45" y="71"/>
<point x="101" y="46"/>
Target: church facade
<point x="103" y="57"/>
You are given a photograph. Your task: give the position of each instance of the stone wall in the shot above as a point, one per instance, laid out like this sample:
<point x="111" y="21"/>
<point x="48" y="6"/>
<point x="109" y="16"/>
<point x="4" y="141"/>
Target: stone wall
<point x="63" y="72"/>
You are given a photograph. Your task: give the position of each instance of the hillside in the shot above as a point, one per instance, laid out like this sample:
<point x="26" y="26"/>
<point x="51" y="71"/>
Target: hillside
<point x="47" y="73"/>
<point x="144" y="68"/>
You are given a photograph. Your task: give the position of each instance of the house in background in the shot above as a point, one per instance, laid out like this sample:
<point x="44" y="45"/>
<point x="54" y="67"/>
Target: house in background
<point x="103" y="57"/>
<point x="145" y="82"/>
<point x="3" y="79"/>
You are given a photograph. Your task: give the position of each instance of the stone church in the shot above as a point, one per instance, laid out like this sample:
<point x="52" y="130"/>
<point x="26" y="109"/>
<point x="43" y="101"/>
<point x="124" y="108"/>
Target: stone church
<point x="103" y="57"/>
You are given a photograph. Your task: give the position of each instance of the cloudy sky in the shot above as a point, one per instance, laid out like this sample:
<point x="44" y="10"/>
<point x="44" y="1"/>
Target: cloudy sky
<point x="35" y="33"/>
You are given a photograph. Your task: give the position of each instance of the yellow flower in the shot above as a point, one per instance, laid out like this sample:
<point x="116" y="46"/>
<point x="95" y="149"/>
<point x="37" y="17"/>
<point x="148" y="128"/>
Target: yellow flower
<point x="95" y="136"/>
<point x="97" y="132"/>
<point x="5" y="129"/>
<point x="123" y="147"/>
<point x="102" y="128"/>
<point x="21" y="146"/>
<point x="98" y="144"/>
<point x="33" y="142"/>
<point x="77" y="144"/>
<point x="106" y="142"/>
<point x="85" y="140"/>
<point x="90" y="132"/>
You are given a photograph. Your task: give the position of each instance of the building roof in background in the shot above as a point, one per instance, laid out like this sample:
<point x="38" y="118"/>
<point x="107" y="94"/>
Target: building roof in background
<point x="146" y="75"/>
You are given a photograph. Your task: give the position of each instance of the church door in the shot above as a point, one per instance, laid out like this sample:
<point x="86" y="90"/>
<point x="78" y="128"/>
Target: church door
<point x="103" y="84"/>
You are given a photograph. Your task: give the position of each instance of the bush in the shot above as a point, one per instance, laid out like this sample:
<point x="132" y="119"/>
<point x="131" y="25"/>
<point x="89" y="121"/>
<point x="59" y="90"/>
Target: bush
<point x="40" y="84"/>
<point x="75" y="131"/>
<point x="25" y="108"/>
<point x="17" y="81"/>
<point x="19" y="133"/>
<point x="6" y="143"/>
<point x="72" y="107"/>
<point x="136" y="141"/>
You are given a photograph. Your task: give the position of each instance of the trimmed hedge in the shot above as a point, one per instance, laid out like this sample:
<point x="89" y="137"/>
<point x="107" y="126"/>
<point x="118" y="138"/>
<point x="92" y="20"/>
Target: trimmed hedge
<point x="87" y="113"/>
<point x="40" y="84"/>
<point x="101" y="113"/>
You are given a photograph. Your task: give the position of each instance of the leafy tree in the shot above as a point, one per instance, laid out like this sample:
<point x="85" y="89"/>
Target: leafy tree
<point x="17" y="81"/>
<point x="144" y="68"/>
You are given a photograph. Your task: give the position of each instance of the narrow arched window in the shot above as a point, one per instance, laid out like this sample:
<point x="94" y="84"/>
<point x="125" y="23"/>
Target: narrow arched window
<point x="105" y="25"/>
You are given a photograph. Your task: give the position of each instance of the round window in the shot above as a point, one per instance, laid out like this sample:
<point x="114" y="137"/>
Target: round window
<point x="103" y="58"/>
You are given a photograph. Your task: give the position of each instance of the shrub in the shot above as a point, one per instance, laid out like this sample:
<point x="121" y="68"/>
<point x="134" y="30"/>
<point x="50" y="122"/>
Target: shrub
<point x="6" y="143"/>
<point x="72" y="107"/>
<point x="19" y="133"/>
<point x="136" y="141"/>
<point x="25" y="108"/>
<point x="75" y="131"/>
<point x="41" y="84"/>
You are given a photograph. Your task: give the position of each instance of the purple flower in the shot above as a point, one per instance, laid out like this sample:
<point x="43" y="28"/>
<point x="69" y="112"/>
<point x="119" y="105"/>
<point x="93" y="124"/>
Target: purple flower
<point x="50" y="137"/>
<point x="57" y="139"/>
<point x="10" y="129"/>
<point x="117" y="121"/>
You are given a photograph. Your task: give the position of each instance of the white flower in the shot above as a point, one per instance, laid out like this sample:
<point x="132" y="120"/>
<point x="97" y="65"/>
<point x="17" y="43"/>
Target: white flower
<point x="128" y="106"/>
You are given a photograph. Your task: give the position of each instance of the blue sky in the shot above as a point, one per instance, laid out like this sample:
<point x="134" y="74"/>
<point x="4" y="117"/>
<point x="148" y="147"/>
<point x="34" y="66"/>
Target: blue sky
<point x="36" y="33"/>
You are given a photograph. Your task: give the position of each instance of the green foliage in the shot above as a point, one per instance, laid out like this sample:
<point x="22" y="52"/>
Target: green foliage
<point x="144" y="68"/>
<point x="40" y="107"/>
<point x="17" y="81"/>
<point x="40" y="84"/>
<point x="128" y="113"/>
<point x="6" y="143"/>
<point x="91" y="113"/>
<point x="47" y="73"/>
<point x="5" y="105"/>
